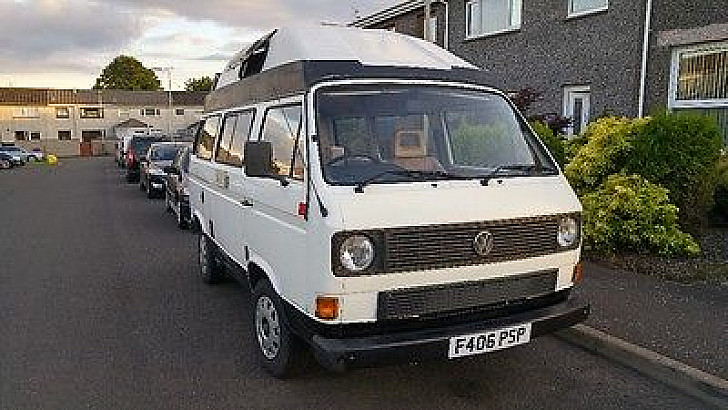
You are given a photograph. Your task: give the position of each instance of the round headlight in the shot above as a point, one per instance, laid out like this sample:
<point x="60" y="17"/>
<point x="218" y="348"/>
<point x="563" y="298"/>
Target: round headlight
<point x="568" y="232"/>
<point x="356" y="253"/>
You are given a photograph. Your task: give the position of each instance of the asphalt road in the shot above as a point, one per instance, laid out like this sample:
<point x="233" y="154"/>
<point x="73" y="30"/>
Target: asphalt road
<point x="100" y="308"/>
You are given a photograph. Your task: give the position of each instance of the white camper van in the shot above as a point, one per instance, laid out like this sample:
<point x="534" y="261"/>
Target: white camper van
<point x="383" y="202"/>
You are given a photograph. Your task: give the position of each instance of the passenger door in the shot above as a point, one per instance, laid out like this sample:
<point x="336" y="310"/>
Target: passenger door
<point x="232" y="201"/>
<point x="277" y="229"/>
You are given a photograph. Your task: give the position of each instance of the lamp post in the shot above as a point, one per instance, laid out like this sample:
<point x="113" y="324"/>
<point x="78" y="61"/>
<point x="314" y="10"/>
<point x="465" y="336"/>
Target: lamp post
<point x="168" y="70"/>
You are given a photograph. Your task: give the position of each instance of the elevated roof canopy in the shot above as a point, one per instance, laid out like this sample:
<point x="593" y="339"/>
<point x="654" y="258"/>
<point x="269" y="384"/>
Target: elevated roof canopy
<point x="331" y="43"/>
<point x="287" y="62"/>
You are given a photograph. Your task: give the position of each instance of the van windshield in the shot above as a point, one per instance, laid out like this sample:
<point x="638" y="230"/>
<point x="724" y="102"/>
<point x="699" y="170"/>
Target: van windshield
<point x="391" y="133"/>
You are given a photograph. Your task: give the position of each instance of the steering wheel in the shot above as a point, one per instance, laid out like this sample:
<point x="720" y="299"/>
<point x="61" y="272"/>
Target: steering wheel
<point x="356" y="157"/>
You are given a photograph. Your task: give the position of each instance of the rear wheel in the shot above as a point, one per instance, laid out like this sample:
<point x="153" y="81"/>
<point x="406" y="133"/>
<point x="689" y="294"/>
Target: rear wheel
<point x="4" y="164"/>
<point x="281" y="353"/>
<point x="167" y="202"/>
<point x="150" y="191"/>
<point x="210" y="269"/>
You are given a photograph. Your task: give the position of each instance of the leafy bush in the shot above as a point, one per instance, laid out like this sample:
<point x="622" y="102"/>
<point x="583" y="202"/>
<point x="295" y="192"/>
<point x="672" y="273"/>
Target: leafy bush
<point x="553" y="142"/>
<point x="608" y="146"/>
<point x="679" y="151"/>
<point x="721" y="190"/>
<point x="630" y="213"/>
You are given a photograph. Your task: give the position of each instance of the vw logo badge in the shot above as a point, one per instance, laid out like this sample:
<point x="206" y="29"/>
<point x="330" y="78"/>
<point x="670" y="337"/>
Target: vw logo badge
<point x="483" y="243"/>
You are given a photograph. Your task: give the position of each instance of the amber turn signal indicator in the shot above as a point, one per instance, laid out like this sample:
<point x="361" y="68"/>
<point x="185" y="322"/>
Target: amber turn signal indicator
<point x="578" y="273"/>
<point x="327" y="308"/>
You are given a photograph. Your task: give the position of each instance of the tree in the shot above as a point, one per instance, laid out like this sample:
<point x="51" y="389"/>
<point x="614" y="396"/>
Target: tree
<point x="127" y="73"/>
<point x="199" y="84"/>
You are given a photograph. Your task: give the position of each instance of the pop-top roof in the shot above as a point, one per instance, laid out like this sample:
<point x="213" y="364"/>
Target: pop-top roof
<point x="331" y="43"/>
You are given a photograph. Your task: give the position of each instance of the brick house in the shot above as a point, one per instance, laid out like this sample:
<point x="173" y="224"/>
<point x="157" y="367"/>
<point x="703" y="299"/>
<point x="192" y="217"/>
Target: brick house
<point x="594" y="57"/>
<point x="409" y="18"/>
<point x="63" y="121"/>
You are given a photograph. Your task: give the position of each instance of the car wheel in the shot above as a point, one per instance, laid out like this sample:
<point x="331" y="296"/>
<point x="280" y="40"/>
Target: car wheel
<point x="210" y="269"/>
<point x="150" y="191"/>
<point x="4" y="164"/>
<point x="141" y="184"/>
<point x="280" y="351"/>
<point x="181" y="221"/>
<point x="129" y="178"/>
<point x="167" y="202"/>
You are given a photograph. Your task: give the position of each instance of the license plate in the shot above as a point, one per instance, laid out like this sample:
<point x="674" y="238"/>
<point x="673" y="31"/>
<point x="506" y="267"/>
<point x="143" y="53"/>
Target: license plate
<point x="489" y="341"/>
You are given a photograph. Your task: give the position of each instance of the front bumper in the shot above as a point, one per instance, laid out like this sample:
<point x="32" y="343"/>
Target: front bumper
<point x="433" y="342"/>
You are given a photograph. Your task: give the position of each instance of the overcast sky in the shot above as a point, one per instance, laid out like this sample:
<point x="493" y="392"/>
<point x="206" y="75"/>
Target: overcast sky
<point x="66" y="43"/>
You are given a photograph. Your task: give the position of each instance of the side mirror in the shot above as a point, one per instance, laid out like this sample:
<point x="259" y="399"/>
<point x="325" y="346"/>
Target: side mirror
<point x="258" y="159"/>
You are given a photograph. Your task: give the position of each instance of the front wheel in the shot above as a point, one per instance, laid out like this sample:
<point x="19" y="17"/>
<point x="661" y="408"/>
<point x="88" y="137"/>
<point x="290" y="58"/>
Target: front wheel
<point x="281" y="353"/>
<point x="210" y="269"/>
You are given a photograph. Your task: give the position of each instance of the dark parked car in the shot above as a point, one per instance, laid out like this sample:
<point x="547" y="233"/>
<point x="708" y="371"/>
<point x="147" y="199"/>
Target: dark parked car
<point x="151" y="173"/>
<point x="6" y="161"/>
<point x="138" y="147"/>
<point x="177" y="197"/>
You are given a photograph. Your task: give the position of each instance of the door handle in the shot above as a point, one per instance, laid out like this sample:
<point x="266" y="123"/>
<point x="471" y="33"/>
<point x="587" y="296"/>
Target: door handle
<point x="246" y="202"/>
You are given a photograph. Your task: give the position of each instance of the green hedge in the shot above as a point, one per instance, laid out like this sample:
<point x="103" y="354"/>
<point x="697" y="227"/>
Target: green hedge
<point x="555" y="143"/>
<point x="608" y="146"/>
<point x="679" y="151"/>
<point x="628" y="213"/>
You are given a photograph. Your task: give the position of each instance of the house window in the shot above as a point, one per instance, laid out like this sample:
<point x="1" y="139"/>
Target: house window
<point x="21" y="135"/>
<point x="579" y="7"/>
<point x="92" y="112"/>
<point x="577" y="105"/>
<point x="150" y="112"/>
<point x="25" y="112"/>
<point x="483" y="17"/>
<point x="63" y="112"/>
<point x="699" y="82"/>
<point x="35" y="136"/>
<point x="700" y="75"/>
<point x="179" y="111"/>
<point x="64" y="135"/>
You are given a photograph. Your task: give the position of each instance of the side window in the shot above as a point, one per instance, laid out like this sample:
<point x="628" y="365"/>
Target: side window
<point x="236" y="130"/>
<point x="206" y="138"/>
<point x="283" y="129"/>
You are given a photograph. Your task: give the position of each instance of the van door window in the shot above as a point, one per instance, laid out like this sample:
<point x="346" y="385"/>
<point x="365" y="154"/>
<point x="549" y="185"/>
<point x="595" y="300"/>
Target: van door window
<point x="235" y="131"/>
<point x="283" y="129"/>
<point x="206" y="138"/>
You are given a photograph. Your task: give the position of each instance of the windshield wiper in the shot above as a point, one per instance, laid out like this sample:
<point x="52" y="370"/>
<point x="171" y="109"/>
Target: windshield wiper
<point x="422" y="175"/>
<point x="526" y="168"/>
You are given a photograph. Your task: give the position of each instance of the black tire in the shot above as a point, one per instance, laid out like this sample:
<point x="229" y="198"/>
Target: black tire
<point x="210" y="269"/>
<point x="181" y="222"/>
<point x="129" y="178"/>
<point x="150" y="191"/>
<point x="5" y="164"/>
<point x="281" y="353"/>
<point x="167" y="203"/>
<point x="141" y="184"/>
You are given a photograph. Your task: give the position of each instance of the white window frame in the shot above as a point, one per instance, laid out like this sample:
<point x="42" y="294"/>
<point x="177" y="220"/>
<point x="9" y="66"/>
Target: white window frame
<point x="567" y="109"/>
<point x="431" y="28"/>
<point x="157" y="112"/>
<point x="572" y="14"/>
<point x="672" y="101"/>
<point x="516" y="13"/>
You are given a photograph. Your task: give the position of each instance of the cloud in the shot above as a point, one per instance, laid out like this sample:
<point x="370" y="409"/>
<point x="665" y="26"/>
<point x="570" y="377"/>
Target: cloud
<point x="81" y="36"/>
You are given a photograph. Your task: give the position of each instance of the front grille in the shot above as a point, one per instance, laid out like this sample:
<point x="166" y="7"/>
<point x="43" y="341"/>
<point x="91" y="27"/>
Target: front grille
<point x="442" y="299"/>
<point x="445" y="246"/>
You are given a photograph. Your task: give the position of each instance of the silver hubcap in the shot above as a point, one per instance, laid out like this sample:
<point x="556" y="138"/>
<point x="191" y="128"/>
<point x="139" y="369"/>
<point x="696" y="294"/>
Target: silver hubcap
<point x="267" y="327"/>
<point x="203" y="256"/>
